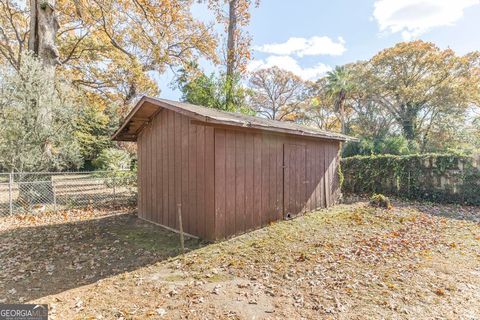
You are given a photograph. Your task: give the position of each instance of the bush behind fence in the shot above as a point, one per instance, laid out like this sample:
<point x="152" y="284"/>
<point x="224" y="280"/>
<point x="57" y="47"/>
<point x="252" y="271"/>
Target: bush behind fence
<point x="435" y="177"/>
<point x="30" y="192"/>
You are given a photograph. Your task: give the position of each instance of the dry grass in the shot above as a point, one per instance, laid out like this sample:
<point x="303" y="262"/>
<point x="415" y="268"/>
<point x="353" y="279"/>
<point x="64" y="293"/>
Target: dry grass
<point x="416" y="261"/>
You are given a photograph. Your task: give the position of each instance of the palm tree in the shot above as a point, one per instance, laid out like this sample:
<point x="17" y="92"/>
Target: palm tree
<point x="338" y="86"/>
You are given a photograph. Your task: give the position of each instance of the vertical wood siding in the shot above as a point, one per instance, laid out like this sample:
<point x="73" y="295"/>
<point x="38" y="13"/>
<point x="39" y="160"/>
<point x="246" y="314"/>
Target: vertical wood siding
<point x="250" y="178"/>
<point x="176" y="166"/>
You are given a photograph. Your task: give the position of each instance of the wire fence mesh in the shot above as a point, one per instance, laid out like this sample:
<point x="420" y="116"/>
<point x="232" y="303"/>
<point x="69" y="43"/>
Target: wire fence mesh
<point x="25" y="192"/>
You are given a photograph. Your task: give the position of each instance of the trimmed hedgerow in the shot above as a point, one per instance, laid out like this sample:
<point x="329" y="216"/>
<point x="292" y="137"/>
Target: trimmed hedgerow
<point x="448" y="178"/>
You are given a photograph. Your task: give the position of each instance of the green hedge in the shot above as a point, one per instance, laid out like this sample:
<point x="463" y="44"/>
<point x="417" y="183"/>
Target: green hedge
<point x="435" y="177"/>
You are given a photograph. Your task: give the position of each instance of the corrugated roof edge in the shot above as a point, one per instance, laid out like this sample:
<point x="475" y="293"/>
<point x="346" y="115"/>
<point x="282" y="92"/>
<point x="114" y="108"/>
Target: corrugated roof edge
<point x="214" y="116"/>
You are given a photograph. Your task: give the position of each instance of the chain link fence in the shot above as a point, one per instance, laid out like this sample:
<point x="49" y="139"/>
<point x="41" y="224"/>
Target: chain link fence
<point x="30" y="192"/>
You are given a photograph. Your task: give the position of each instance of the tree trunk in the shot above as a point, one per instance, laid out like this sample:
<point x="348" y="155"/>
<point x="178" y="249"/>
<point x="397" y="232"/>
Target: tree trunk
<point x="407" y="119"/>
<point x="341" y="108"/>
<point x="342" y="115"/>
<point x="231" y="48"/>
<point x="130" y="96"/>
<point x="426" y="135"/>
<point x="409" y="126"/>
<point x="408" y="129"/>
<point x="43" y="30"/>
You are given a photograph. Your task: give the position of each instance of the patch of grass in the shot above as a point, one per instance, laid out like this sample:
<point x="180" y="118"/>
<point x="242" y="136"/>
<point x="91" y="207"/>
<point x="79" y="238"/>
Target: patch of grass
<point x="174" y="278"/>
<point x="154" y="239"/>
<point x="214" y="278"/>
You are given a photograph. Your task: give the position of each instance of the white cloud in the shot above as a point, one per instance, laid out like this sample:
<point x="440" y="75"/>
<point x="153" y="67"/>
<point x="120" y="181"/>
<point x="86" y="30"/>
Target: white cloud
<point x="290" y="64"/>
<point x="415" y="17"/>
<point x="313" y="46"/>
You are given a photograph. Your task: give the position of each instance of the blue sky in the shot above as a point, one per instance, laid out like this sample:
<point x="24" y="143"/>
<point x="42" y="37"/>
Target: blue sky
<point x="308" y="37"/>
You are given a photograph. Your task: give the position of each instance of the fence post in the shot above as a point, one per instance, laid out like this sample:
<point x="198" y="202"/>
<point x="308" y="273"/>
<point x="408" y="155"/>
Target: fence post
<point x="54" y="194"/>
<point x="180" y="227"/>
<point x="10" y="190"/>
<point x="114" y="191"/>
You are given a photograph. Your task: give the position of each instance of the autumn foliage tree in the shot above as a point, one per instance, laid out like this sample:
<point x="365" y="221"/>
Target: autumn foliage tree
<point x="277" y="94"/>
<point x="110" y="47"/>
<point x="413" y="97"/>
<point x="418" y="83"/>
<point x="110" y="50"/>
<point x="322" y="111"/>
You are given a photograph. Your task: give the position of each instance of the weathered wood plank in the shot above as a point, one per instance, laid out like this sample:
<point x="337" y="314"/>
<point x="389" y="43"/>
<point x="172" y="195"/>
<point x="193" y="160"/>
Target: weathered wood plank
<point x="200" y="180"/>
<point x="192" y="178"/>
<point x="272" y="159"/>
<point x="210" y="176"/>
<point x="249" y="181"/>
<point x="303" y="178"/>
<point x="220" y="183"/>
<point x="279" y="183"/>
<point x="140" y="170"/>
<point x="327" y="176"/>
<point x="164" y="132"/>
<point x="156" y="197"/>
<point x="171" y="171"/>
<point x="265" y="181"/>
<point x="257" y="180"/>
<point x="239" y="182"/>
<point x="149" y="173"/>
<point x="230" y="183"/>
<point x="287" y="180"/>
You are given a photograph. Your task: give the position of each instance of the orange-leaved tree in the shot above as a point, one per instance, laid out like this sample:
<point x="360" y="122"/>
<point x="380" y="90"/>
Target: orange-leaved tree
<point x="418" y="83"/>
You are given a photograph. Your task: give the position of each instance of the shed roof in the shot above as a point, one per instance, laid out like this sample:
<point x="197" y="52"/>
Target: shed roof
<point x="148" y="107"/>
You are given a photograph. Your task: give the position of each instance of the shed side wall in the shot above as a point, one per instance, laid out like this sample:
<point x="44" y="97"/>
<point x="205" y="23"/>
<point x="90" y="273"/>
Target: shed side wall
<point x="249" y="179"/>
<point x="175" y="165"/>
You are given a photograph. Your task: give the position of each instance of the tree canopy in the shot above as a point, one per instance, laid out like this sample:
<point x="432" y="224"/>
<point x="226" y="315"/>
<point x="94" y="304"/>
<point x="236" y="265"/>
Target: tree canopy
<point x="419" y="83"/>
<point x="38" y="113"/>
<point x="109" y="50"/>
<point x="73" y="68"/>
<point x="413" y="91"/>
<point x="277" y="94"/>
<point x="111" y="47"/>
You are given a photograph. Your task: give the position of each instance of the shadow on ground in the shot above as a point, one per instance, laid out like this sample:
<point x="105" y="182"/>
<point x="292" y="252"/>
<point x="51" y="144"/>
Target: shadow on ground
<point x="43" y="260"/>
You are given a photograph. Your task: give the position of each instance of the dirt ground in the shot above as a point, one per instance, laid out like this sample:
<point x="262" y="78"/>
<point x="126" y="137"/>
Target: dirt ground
<point x="416" y="261"/>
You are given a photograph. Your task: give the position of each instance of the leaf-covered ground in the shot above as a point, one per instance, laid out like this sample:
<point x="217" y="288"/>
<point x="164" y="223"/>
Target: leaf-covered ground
<point x="416" y="261"/>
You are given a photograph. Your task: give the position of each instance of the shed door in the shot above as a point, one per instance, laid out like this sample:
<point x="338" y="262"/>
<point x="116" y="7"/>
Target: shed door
<point x="294" y="181"/>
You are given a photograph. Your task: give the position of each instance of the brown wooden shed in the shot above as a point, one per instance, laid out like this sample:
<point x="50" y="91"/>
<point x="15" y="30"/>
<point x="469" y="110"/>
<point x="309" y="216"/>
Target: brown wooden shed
<point x="230" y="172"/>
